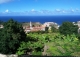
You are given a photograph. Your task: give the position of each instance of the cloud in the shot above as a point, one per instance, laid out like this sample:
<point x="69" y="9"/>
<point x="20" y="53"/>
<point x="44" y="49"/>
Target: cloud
<point x="32" y="10"/>
<point x="58" y="10"/>
<point x="64" y="11"/>
<point x="7" y="11"/>
<point x="72" y="10"/>
<point x="44" y="12"/>
<point x="5" y="1"/>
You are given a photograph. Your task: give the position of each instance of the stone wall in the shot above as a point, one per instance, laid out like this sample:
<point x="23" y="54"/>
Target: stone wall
<point x="12" y="55"/>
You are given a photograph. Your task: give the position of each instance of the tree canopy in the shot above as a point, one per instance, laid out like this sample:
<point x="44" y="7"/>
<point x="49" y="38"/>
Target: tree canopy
<point x="11" y="36"/>
<point x="68" y="28"/>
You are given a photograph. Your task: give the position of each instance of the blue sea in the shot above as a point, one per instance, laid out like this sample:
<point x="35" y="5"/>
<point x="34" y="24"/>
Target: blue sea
<point x="42" y="19"/>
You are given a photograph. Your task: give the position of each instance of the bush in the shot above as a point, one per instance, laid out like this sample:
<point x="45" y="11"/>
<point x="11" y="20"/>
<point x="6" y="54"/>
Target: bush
<point x="11" y="36"/>
<point x="37" y="53"/>
<point x="68" y="28"/>
<point x="46" y="29"/>
<point x="38" y="32"/>
<point x="53" y="29"/>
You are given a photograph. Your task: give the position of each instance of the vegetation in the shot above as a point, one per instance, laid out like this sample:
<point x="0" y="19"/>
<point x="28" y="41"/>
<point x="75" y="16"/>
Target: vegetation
<point x="62" y="42"/>
<point x="11" y="36"/>
<point x="46" y="29"/>
<point x="53" y="29"/>
<point x="68" y="28"/>
<point x="46" y="44"/>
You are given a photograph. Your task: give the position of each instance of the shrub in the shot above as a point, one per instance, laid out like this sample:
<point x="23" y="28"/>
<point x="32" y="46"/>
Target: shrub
<point x="68" y="28"/>
<point x="11" y="36"/>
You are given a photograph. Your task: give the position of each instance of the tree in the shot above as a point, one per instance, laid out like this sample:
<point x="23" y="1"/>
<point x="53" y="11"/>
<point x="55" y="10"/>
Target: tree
<point x="46" y="29"/>
<point x="11" y="36"/>
<point x="53" y="29"/>
<point x="68" y="28"/>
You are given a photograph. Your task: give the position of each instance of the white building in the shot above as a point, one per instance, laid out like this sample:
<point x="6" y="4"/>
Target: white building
<point x="40" y="28"/>
<point x="78" y="23"/>
<point x="48" y="23"/>
<point x="31" y="25"/>
<point x="1" y="26"/>
<point x="51" y="23"/>
<point x="30" y="28"/>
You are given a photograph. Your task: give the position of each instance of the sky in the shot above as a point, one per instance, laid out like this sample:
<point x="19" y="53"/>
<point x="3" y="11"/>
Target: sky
<point x="39" y="7"/>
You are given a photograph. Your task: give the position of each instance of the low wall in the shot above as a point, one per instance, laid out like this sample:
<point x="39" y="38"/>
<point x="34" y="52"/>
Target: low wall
<point x="12" y="55"/>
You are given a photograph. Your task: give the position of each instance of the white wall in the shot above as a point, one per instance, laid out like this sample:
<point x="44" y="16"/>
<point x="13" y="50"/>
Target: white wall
<point x="12" y="55"/>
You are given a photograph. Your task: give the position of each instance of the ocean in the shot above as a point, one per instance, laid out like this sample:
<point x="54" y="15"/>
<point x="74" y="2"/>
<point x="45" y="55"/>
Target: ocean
<point x="42" y="19"/>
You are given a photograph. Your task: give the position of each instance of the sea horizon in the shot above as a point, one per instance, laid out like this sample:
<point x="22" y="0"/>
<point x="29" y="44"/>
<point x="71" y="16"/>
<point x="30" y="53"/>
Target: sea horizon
<point x="57" y="19"/>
